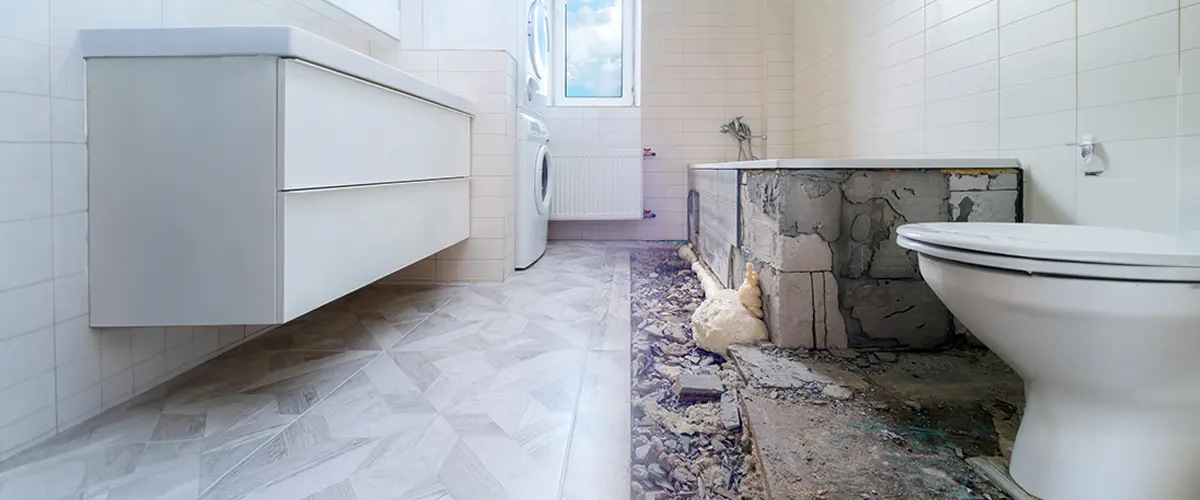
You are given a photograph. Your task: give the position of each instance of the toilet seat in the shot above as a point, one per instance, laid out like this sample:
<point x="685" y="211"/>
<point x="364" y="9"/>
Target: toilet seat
<point x="1079" y="251"/>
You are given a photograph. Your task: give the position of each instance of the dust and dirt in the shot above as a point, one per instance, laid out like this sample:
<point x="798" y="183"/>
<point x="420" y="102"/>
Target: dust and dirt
<point x="903" y="434"/>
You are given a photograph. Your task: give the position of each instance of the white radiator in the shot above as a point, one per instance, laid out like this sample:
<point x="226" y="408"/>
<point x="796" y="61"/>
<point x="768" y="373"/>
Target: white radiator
<point x="600" y="186"/>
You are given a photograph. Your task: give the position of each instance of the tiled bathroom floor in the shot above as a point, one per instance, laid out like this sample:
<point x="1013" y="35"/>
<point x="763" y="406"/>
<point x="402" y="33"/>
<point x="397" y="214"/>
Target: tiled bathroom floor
<point x="513" y="391"/>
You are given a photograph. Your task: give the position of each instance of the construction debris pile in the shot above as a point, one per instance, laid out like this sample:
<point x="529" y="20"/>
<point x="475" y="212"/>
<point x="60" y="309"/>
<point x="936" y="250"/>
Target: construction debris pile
<point x="688" y="437"/>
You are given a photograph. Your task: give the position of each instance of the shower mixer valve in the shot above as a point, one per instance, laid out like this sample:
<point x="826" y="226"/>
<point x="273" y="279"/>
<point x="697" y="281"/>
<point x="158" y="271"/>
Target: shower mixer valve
<point x="740" y="131"/>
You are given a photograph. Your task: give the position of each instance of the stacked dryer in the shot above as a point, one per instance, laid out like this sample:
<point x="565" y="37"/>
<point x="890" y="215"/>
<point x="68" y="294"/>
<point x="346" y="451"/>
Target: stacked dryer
<point x="490" y="25"/>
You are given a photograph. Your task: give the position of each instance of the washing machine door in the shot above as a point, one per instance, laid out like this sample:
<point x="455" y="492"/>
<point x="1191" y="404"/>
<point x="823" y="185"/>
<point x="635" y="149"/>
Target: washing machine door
<point x="538" y="39"/>
<point x="541" y="179"/>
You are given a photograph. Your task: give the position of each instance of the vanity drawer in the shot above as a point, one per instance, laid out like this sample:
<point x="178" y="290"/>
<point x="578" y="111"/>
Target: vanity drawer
<point x="341" y="131"/>
<point x="339" y="239"/>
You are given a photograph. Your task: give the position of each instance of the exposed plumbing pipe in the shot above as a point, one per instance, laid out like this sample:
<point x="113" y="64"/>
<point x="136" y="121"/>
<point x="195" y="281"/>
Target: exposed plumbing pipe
<point x="744" y="136"/>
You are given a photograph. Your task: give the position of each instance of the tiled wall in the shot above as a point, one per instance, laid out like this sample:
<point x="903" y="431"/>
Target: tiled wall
<point x="54" y="370"/>
<point x="596" y="130"/>
<point x="489" y="78"/>
<point x="1015" y="78"/>
<point x="702" y="64"/>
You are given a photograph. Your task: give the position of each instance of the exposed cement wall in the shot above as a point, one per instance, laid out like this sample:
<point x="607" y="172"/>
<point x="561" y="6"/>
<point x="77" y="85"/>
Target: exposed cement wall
<point x="825" y="244"/>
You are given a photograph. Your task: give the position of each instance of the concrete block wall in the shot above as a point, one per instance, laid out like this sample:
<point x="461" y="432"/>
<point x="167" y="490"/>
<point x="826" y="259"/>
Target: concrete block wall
<point x="55" y="371"/>
<point x="489" y="78"/>
<point x="823" y="242"/>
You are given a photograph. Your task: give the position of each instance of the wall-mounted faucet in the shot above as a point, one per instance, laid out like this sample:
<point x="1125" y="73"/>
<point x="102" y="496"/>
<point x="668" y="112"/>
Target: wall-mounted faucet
<point x="744" y="136"/>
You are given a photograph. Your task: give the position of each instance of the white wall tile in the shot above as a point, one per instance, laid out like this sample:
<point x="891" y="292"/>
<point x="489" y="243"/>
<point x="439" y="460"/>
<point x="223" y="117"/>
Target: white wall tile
<point x="117" y="388"/>
<point x="25" y="309"/>
<point x="967" y="109"/>
<point x="1096" y="15"/>
<point x="1135" y="120"/>
<point x="69" y="165"/>
<point x="969" y="137"/>
<point x="26" y="66"/>
<point x="1189" y="63"/>
<point x="27" y="20"/>
<point x="147" y="343"/>
<point x="940" y="11"/>
<point x="27" y="430"/>
<point x="1189" y="184"/>
<point x="1189" y="30"/>
<point x="1145" y="79"/>
<point x="1043" y="63"/>
<point x="1039" y="131"/>
<point x="148" y="372"/>
<point x="25" y="181"/>
<point x="1140" y="159"/>
<point x="67" y="73"/>
<point x="80" y="406"/>
<point x="116" y="350"/>
<point x="1189" y="113"/>
<point x="968" y="81"/>
<point x="70" y="296"/>
<point x="26" y="252"/>
<point x="73" y="339"/>
<point x="34" y="125"/>
<point x="27" y="397"/>
<point x="77" y="375"/>
<point x="977" y="50"/>
<point x="70" y="244"/>
<point x="975" y="22"/>
<point x="67" y="17"/>
<point x="1146" y="204"/>
<point x="26" y="355"/>
<point x="1154" y="36"/>
<point x="1016" y="10"/>
<point x="1046" y="96"/>
<point x="1052" y="26"/>
<point x="1050" y="175"/>
<point x="67" y="117"/>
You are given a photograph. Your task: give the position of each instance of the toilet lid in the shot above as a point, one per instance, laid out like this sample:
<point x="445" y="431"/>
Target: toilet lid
<point x="1055" y="242"/>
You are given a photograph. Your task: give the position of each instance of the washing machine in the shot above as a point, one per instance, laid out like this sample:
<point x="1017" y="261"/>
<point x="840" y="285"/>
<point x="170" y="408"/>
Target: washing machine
<point x="535" y="66"/>
<point x="533" y="189"/>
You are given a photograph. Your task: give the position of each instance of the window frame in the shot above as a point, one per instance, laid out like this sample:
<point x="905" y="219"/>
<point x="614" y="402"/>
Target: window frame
<point x="629" y="61"/>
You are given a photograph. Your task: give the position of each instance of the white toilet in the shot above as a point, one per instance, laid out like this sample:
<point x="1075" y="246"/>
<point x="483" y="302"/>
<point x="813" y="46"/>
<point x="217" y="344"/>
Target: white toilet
<point x="1104" y="327"/>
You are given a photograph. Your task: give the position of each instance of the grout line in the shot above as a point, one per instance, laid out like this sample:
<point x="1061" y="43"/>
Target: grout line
<point x="382" y="352"/>
<point x="603" y="295"/>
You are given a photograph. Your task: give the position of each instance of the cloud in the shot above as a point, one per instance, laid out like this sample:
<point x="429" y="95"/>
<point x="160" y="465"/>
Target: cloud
<point x="593" y="48"/>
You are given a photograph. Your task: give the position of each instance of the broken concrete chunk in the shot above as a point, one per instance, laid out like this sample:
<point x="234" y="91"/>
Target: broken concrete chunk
<point x="641" y="452"/>
<point x="862" y="362"/>
<point x="698" y="387"/>
<point x="885" y="357"/>
<point x="843" y="353"/>
<point x="731" y="413"/>
<point x="837" y="392"/>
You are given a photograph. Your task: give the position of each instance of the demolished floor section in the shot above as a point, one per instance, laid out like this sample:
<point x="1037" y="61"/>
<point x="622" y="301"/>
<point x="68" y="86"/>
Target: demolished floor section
<point x="849" y="425"/>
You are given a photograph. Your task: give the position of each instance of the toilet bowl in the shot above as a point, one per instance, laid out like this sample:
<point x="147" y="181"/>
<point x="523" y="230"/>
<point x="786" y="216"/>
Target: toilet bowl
<point x="1103" y="325"/>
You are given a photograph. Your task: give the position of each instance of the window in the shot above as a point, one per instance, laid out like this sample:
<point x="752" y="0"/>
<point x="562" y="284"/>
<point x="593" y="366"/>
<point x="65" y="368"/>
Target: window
<point x="594" y="52"/>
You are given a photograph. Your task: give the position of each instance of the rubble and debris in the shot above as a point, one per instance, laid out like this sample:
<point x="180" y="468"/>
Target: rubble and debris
<point x="884" y="357"/>
<point x="837" y="392"/>
<point x="698" y="387"/>
<point x="731" y="414"/>
<point x="688" y="438"/>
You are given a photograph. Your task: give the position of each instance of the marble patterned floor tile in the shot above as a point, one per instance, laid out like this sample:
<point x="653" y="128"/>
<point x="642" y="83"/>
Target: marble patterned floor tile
<point x="178" y="439"/>
<point x="507" y="391"/>
<point x="598" y="463"/>
<point x="461" y="425"/>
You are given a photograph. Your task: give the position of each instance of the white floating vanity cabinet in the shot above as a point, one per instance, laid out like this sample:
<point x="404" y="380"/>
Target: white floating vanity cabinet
<point x="247" y="185"/>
